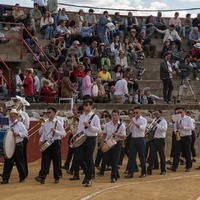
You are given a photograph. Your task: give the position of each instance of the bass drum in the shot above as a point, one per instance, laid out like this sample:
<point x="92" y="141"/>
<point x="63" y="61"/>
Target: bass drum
<point x="7" y="143"/>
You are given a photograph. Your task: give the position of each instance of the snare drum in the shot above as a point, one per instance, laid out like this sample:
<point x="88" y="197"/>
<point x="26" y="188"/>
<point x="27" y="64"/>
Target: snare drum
<point x="78" y="139"/>
<point x="7" y="143"/>
<point x="109" y="144"/>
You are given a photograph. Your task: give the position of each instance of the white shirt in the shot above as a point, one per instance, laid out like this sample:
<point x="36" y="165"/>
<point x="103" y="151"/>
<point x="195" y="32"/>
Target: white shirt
<point x="25" y="118"/>
<point x="121" y="87"/>
<point x="193" y="122"/>
<point x="135" y="132"/>
<point x="95" y="125"/>
<point x="46" y="133"/>
<point x="36" y="83"/>
<point x="111" y="128"/>
<point x="18" y="82"/>
<point x="187" y="124"/>
<point x="19" y="128"/>
<point x="161" y="129"/>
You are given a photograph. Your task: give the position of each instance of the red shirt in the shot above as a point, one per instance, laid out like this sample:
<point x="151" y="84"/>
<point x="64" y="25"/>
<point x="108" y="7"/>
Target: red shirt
<point x="78" y="73"/>
<point x="29" y="86"/>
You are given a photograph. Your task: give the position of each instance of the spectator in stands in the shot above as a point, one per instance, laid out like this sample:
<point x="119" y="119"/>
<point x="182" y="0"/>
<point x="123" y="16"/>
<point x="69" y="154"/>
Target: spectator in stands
<point x="176" y="21"/>
<point x="80" y="18"/>
<point x="52" y="6"/>
<point x="196" y="21"/>
<point x="148" y="26"/>
<point x="17" y="83"/>
<point x="47" y="25"/>
<point x="159" y="22"/>
<point x="86" y="63"/>
<point x="54" y="53"/>
<point x="121" y="89"/>
<point x="129" y="50"/>
<point x="149" y="49"/>
<point x="67" y="86"/>
<point x="117" y="73"/>
<point x="105" y="76"/>
<point x="3" y="87"/>
<point x="63" y="16"/>
<point x="111" y="96"/>
<point x="61" y="43"/>
<point x="115" y="47"/>
<point x="92" y="52"/>
<point x="90" y="17"/>
<point x="138" y="48"/>
<point x="79" y="72"/>
<point x="18" y="14"/>
<point x="68" y="65"/>
<point x="30" y="38"/>
<point x="102" y="29"/>
<point x="72" y="54"/>
<point x="47" y="94"/>
<point x="77" y="47"/>
<point x="132" y="84"/>
<point x="75" y="32"/>
<point x="42" y="5"/>
<point x="194" y="37"/>
<point x="36" y="82"/>
<point x="166" y="48"/>
<point x="132" y="35"/>
<point x="48" y="76"/>
<point x="35" y="16"/>
<point x="147" y="97"/>
<point x="132" y="23"/>
<point x="118" y="22"/>
<point x="62" y="30"/>
<point x="187" y="25"/>
<point x="174" y="50"/>
<point x="172" y="35"/>
<point x="28" y="84"/>
<point x="137" y="97"/>
<point x="104" y="57"/>
<point x="122" y="60"/>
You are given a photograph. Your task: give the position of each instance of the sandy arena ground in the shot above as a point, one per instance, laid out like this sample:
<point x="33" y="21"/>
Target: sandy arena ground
<point x="172" y="186"/>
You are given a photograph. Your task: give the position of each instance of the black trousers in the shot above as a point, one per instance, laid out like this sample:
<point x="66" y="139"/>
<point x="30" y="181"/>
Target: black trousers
<point x="157" y="145"/>
<point x="137" y="145"/>
<point x="84" y="157"/>
<point x="112" y="155"/>
<point x="25" y="142"/>
<point x="51" y="153"/>
<point x="69" y="157"/>
<point x="99" y="157"/>
<point x="167" y="89"/>
<point x="193" y="150"/>
<point x="173" y="147"/>
<point x="183" y="145"/>
<point x="18" y="159"/>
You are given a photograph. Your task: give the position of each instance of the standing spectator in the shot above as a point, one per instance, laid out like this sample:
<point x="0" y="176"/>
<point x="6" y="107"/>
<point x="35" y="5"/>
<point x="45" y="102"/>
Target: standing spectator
<point x="3" y="87"/>
<point x="187" y="25"/>
<point x="47" y="26"/>
<point x="36" y="82"/>
<point x="53" y="9"/>
<point x="35" y="15"/>
<point x="159" y="22"/>
<point x="17" y="83"/>
<point x="148" y="26"/>
<point x="42" y="5"/>
<point x="18" y="14"/>
<point x="166" y="77"/>
<point x="28" y="84"/>
<point x="194" y="37"/>
<point x="132" y="23"/>
<point x="80" y="18"/>
<point x="63" y="16"/>
<point x="90" y="17"/>
<point x="176" y="21"/>
<point x="196" y="21"/>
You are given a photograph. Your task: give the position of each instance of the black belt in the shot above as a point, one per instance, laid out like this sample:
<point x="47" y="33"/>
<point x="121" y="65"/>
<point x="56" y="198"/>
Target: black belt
<point x="19" y="144"/>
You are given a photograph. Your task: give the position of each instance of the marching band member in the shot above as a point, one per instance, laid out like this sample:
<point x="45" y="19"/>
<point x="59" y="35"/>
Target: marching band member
<point x="137" y="143"/>
<point x="158" y="142"/>
<point x="185" y="128"/>
<point x="52" y="129"/>
<point x="20" y="133"/>
<point x="115" y="129"/>
<point x="89" y="124"/>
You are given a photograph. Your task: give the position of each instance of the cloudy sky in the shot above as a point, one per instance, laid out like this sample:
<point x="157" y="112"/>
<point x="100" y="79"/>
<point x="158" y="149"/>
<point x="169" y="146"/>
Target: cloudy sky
<point x="126" y="4"/>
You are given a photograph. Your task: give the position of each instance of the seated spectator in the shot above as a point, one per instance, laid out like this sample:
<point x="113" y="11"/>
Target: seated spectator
<point x="92" y="52"/>
<point x="61" y="43"/>
<point x="166" y="48"/>
<point x="86" y="63"/>
<point x="138" y="48"/>
<point x="90" y="17"/>
<point x="149" y="49"/>
<point x="30" y="41"/>
<point x="148" y="26"/>
<point x="104" y="57"/>
<point x="72" y="54"/>
<point x="115" y="47"/>
<point x="88" y="34"/>
<point x="172" y="35"/>
<point x="117" y="73"/>
<point x="132" y="23"/>
<point x="196" y="21"/>
<point x="29" y="90"/>
<point x="68" y="65"/>
<point x="47" y="25"/>
<point x="3" y="87"/>
<point x="18" y="14"/>
<point x="132" y="35"/>
<point x="54" y="53"/>
<point x="48" y="76"/>
<point x="129" y="50"/>
<point x="118" y="22"/>
<point x="47" y="94"/>
<point x="194" y="37"/>
<point x="147" y="97"/>
<point x="187" y="25"/>
<point x="137" y="97"/>
<point x="63" y="16"/>
<point x="121" y="60"/>
<point x="75" y="32"/>
<point x="132" y="84"/>
<point x="105" y="76"/>
<point x="174" y="50"/>
<point x="79" y="52"/>
<point x="67" y="86"/>
<point x="80" y="18"/>
<point x="176" y="21"/>
<point x="159" y="22"/>
<point x="35" y="16"/>
<point x="111" y="96"/>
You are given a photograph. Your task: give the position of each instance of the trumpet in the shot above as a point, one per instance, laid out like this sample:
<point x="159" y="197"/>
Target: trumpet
<point x="177" y="133"/>
<point x="148" y="130"/>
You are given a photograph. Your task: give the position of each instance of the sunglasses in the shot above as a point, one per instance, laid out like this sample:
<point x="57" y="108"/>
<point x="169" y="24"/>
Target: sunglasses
<point x="86" y="105"/>
<point x="130" y="113"/>
<point x="49" y="112"/>
<point x="135" y="112"/>
<point x="179" y="112"/>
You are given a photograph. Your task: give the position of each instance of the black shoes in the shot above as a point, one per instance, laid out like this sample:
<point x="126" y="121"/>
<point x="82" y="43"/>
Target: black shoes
<point x="88" y="183"/>
<point x="171" y="168"/>
<point x="4" y="182"/>
<point x="187" y="170"/>
<point x="69" y="172"/>
<point x="56" y="181"/>
<point x="40" y="180"/>
<point x="163" y="173"/>
<point x="113" y="180"/>
<point x="149" y="172"/>
<point x="22" y="180"/>
<point x="65" y="167"/>
<point x="99" y="174"/>
<point x="84" y="181"/>
<point x="142" y="176"/>
<point x="74" y="178"/>
<point x="129" y="176"/>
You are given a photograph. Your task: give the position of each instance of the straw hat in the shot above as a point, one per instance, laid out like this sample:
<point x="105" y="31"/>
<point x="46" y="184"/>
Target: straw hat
<point x="14" y="111"/>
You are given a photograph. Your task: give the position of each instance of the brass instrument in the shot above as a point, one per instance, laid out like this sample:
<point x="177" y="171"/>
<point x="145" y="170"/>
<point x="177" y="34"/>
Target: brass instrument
<point x="124" y="140"/>
<point x="148" y="129"/>
<point x="177" y="133"/>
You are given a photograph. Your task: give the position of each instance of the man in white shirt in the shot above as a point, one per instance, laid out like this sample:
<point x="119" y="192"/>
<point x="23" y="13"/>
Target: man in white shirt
<point x="137" y="143"/>
<point x="185" y="127"/>
<point x="19" y="131"/>
<point x="52" y="129"/>
<point x="159" y="129"/>
<point x="121" y="89"/>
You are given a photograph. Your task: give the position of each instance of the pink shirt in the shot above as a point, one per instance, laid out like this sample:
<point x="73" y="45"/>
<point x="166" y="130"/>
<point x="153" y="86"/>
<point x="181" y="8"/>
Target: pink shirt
<point x="87" y="86"/>
<point x="175" y="22"/>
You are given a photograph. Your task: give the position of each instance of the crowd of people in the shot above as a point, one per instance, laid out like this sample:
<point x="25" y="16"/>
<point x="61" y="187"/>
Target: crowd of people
<point x="115" y="45"/>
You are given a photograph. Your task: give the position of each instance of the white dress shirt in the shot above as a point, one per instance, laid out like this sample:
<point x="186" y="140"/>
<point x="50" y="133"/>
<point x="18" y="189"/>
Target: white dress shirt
<point x="111" y="128"/>
<point x="19" y="127"/>
<point x="187" y="124"/>
<point x="138" y="132"/>
<point x="121" y="87"/>
<point x="161" y="129"/>
<point x="95" y="125"/>
<point x="46" y="133"/>
<point x="25" y="118"/>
